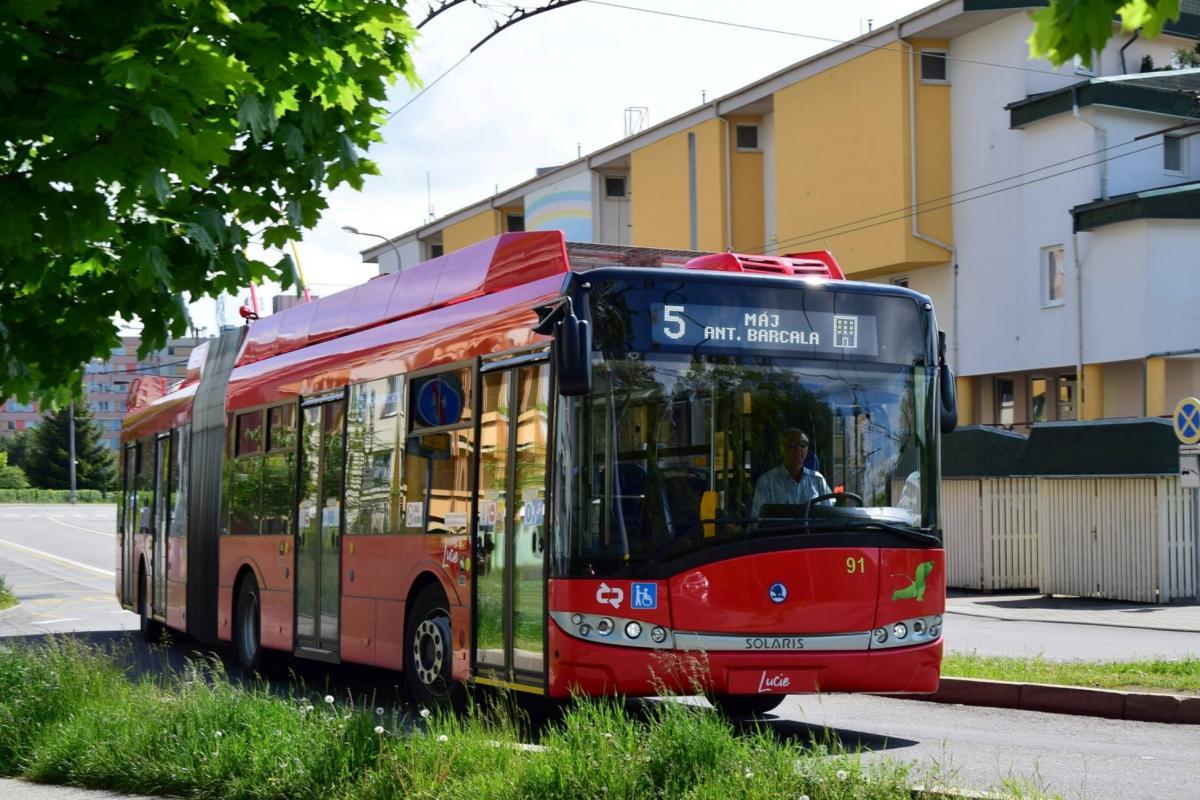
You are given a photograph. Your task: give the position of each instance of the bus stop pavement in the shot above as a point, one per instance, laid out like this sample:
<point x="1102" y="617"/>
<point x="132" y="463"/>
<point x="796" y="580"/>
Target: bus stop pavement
<point x="1182" y="616"/>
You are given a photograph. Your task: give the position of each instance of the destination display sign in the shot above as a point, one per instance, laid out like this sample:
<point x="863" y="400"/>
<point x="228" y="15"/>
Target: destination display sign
<point x="704" y="327"/>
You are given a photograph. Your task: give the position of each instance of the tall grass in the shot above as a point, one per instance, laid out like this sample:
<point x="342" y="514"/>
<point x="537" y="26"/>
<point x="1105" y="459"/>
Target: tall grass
<point x="7" y="598"/>
<point x="68" y="714"/>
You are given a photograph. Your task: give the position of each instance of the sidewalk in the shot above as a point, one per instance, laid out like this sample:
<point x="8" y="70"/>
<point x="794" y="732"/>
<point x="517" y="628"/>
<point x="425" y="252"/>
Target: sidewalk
<point x="1183" y="617"/>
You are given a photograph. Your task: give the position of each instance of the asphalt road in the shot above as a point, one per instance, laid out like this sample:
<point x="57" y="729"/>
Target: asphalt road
<point x="59" y="561"/>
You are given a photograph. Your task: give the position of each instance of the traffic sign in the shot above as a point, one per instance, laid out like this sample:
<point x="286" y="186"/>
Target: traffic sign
<point x="1187" y="420"/>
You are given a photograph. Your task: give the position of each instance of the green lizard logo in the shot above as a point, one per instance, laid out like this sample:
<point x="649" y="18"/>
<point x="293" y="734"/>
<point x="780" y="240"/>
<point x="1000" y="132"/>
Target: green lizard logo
<point x="916" y="589"/>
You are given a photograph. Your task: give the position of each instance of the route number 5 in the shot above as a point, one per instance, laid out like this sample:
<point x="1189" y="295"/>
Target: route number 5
<point x="673" y="316"/>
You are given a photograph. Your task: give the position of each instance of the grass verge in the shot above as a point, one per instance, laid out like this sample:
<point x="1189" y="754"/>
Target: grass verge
<point x="7" y="598"/>
<point x="68" y="714"/>
<point x="1182" y="676"/>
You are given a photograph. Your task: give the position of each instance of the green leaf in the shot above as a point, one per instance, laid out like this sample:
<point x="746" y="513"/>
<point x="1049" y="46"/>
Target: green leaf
<point x="162" y="118"/>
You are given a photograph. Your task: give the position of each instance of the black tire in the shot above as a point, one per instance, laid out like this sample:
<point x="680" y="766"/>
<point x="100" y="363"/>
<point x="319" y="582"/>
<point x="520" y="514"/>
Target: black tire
<point x="429" y="651"/>
<point x="247" y="627"/>
<point x="746" y="706"/>
<point x="150" y="628"/>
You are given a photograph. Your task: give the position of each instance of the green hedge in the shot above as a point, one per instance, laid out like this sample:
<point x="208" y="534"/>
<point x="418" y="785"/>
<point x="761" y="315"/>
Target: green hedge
<point x="55" y="496"/>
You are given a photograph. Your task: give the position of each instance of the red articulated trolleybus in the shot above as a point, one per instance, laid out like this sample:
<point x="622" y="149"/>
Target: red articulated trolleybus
<point x="560" y="469"/>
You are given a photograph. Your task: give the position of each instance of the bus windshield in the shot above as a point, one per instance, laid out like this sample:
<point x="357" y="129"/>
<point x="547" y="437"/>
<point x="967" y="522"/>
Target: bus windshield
<point x="676" y="451"/>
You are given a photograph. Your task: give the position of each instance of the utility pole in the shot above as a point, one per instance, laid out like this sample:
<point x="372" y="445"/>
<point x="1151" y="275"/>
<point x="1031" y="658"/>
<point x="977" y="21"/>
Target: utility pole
<point x="71" y="449"/>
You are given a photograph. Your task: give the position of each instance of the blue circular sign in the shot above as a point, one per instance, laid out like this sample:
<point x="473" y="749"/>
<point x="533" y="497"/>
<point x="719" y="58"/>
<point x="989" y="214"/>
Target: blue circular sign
<point x="1187" y="420"/>
<point x="777" y="593"/>
<point x="440" y="400"/>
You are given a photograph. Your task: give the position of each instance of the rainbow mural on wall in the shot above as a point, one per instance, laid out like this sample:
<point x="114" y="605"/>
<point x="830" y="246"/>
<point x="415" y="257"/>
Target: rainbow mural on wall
<point x="565" y="205"/>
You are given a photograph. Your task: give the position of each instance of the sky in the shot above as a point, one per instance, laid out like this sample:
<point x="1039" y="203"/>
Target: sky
<point x="542" y="92"/>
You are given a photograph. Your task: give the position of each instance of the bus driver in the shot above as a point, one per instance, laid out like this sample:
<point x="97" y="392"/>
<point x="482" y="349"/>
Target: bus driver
<point x="790" y="483"/>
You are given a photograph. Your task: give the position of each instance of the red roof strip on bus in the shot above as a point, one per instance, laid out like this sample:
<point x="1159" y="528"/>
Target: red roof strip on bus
<point x="490" y="266"/>
<point x="817" y="264"/>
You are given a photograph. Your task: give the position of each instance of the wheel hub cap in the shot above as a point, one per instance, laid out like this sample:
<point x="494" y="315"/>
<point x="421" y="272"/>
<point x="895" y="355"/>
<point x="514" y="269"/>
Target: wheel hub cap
<point x="429" y="650"/>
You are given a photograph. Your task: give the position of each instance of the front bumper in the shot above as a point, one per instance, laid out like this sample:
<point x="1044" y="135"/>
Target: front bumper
<point x="600" y="669"/>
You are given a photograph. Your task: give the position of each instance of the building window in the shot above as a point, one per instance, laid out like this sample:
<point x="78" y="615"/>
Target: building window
<point x="614" y="186"/>
<point x="1066" y="397"/>
<point x="933" y="66"/>
<point x="747" y="137"/>
<point x="1037" y="400"/>
<point x="901" y="281"/>
<point x="1005" y="406"/>
<point x="1054" y="278"/>
<point x="514" y="222"/>
<point x="436" y="250"/>
<point x="1173" y="155"/>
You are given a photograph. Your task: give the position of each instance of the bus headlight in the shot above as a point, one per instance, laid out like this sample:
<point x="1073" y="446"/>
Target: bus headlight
<point x="658" y="635"/>
<point x="577" y="619"/>
<point x="881" y="635"/>
<point x="604" y="627"/>
<point x="585" y="629"/>
<point x="900" y="630"/>
<point x="918" y="627"/>
<point x="633" y="630"/>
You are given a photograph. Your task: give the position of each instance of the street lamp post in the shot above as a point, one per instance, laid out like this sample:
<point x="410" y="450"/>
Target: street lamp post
<point x="357" y="232"/>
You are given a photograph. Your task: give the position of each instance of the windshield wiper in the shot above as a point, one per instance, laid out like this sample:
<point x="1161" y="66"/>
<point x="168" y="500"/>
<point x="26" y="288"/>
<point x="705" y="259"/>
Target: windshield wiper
<point x="689" y="540"/>
<point x="919" y="535"/>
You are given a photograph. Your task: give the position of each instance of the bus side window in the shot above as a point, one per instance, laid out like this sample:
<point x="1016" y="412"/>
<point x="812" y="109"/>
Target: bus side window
<point x="438" y="453"/>
<point x="145" y="486"/>
<point x="245" y="476"/>
<point x="374" y="492"/>
<point x="279" y="471"/>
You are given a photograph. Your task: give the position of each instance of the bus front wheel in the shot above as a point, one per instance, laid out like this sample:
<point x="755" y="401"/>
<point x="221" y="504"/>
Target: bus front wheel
<point x="745" y="706"/>
<point x="429" y="652"/>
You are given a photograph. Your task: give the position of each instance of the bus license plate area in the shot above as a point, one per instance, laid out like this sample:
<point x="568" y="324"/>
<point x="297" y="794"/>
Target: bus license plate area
<point x="772" y="681"/>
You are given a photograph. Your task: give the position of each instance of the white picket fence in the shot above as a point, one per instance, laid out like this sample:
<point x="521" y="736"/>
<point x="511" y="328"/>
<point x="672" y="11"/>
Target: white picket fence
<point x="1123" y="538"/>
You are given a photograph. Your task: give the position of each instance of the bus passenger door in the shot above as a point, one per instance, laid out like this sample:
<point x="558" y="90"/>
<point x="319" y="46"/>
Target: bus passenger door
<point x="509" y="548"/>
<point x="319" y="526"/>
<point x="158" y="553"/>
<point x="129" y="521"/>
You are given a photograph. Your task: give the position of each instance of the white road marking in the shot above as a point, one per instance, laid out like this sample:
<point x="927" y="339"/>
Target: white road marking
<point x="52" y="518"/>
<point x="51" y="557"/>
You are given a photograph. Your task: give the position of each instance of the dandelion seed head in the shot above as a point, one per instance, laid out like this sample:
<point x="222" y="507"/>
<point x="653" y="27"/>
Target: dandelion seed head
<point x="424" y="713"/>
<point x="607" y="735"/>
<point x="379" y="711"/>
<point x="443" y="738"/>
<point x="219" y="734"/>
<point x="328" y="699"/>
<point x="379" y="729"/>
<point x="308" y="708"/>
<point x="842" y="774"/>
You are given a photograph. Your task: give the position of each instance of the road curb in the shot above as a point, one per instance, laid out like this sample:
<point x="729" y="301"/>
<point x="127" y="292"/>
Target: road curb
<point x="1077" y="700"/>
<point x="1126" y="625"/>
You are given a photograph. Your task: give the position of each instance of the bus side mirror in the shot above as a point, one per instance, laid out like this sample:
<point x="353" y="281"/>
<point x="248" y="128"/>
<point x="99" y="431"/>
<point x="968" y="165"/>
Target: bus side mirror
<point x="947" y="391"/>
<point x="573" y="355"/>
